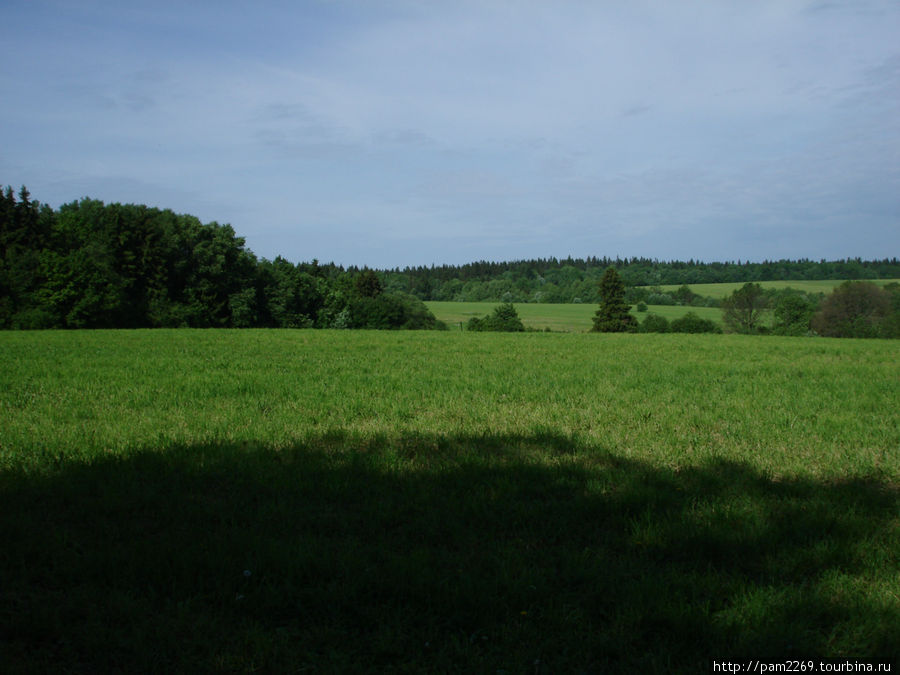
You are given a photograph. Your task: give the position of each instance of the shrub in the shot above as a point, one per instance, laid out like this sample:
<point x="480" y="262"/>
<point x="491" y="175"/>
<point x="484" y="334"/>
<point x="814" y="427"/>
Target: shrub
<point x="642" y="307"/>
<point x="416" y="316"/>
<point x="660" y="299"/>
<point x="391" y="310"/>
<point x="654" y="323"/>
<point x="691" y="323"/>
<point x="382" y="311"/>
<point x="855" y="309"/>
<point x="792" y="315"/>
<point x="504" y="319"/>
<point x="684" y="295"/>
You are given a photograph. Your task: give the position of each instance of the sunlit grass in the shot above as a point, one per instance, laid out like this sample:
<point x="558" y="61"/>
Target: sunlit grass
<point x="722" y="290"/>
<point x="434" y="502"/>
<point x="567" y="318"/>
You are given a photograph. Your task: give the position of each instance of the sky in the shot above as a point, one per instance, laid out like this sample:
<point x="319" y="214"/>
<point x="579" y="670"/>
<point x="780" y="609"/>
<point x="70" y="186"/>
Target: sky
<point x="407" y="132"/>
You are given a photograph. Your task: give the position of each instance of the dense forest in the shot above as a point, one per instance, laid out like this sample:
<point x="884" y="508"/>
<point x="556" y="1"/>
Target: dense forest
<point x="95" y="265"/>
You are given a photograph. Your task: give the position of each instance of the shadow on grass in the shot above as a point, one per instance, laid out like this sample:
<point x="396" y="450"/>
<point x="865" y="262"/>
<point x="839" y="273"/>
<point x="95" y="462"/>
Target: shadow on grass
<point x="417" y="553"/>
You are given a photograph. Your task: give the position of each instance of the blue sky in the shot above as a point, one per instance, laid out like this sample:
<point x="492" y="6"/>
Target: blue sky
<point x="410" y="133"/>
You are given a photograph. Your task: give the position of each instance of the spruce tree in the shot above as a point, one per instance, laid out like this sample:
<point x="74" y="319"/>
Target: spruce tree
<point x="613" y="316"/>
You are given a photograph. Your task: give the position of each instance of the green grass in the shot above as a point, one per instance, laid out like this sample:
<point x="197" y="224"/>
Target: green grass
<point x="671" y="312"/>
<point x="574" y="318"/>
<point x="566" y="318"/>
<point x="725" y="289"/>
<point x="444" y="502"/>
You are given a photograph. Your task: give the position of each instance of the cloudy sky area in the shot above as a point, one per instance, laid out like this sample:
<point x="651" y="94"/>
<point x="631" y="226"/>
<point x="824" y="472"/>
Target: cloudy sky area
<point x="404" y="133"/>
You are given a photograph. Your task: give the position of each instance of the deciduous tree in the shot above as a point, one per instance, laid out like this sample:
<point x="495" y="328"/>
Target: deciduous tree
<point x="792" y="315"/>
<point x="743" y="310"/>
<point x="854" y="309"/>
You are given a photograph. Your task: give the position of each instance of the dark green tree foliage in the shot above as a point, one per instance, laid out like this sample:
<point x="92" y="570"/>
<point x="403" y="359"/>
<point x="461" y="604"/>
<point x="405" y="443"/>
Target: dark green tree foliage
<point x="367" y="284"/>
<point x="858" y="309"/>
<point x="654" y="323"/>
<point x="792" y="315"/>
<point x="890" y="326"/>
<point x="743" y="310"/>
<point x="684" y="295"/>
<point x="292" y="296"/>
<point x="505" y="318"/>
<point x="91" y="264"/>
<point x="612" y="315"/>
<point x="573" y="280"/>
<point x="691" y="323"/>
<point x="96" y="265"/>
<point x="416" y="316"/>
<point x="25" y="230"/>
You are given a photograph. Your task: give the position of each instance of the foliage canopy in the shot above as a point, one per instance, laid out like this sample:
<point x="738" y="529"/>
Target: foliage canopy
<point x="505" y="319"/>
<point x="96" y="265"/>
<point x="743" y="309"/>
<point x="612" y="316"/>
<point x="859" y="309"/>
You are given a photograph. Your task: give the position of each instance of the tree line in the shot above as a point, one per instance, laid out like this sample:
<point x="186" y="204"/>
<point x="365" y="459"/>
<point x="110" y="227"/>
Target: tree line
<point x="853" y="309"/>
<point x="573" y="280"/>
<point x="95" y="265"/>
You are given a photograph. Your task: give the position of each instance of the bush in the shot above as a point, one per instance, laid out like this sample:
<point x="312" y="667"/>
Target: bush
<point x="416" y="316"/>
<point x="635" y="294"/>
<point x="691" y="323"/>
<point x="660" y="299"/>
<point x="792" y="315"/>
<point x="642" y="307"/>
<point x="33" y="318"/>
<point x="654" y="323"/>
<point x="504" y="319"/>
<point x="383" y="311"/>
<point x="856" y="309"/>
<point x="391" y="310"/>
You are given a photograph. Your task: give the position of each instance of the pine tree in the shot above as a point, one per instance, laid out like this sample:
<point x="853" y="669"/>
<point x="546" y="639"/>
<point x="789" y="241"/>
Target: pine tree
<point x="613" y="316"/>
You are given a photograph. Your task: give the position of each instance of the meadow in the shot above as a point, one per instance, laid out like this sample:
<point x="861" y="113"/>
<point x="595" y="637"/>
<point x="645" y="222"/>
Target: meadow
<point x="722" y="290"/>
<point x="358" y="501"/>
<point x="558" y="317"/>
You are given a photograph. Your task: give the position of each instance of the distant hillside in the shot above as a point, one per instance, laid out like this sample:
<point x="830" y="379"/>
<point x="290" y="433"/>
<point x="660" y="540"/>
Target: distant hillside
<point x="95" y="265"/>
<point x="824" y="287"/>
<point x="575" y="280"/>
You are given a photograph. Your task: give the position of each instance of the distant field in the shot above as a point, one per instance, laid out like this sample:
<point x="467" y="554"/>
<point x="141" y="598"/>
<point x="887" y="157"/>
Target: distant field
<point x="432" y="502"/>
<point x="722" y="290"/>
<point x="578" y="318"/>
<point x="569" y="318"/>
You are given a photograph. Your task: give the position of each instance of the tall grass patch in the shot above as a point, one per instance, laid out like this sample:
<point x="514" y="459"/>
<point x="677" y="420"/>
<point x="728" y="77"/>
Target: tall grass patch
<point x="433" y="502"/>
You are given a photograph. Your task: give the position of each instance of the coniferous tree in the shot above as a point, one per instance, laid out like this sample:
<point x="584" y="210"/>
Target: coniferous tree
<point x="368" y="284"/>
<point x="613" y="316"/>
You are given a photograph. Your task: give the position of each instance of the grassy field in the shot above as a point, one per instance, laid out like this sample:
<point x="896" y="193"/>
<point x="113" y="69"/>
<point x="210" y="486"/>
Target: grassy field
<point x="566" y="318"/>
<point x="577" y="318"/>
<point x="303" y="501"/>
<point x="725" y="289"/>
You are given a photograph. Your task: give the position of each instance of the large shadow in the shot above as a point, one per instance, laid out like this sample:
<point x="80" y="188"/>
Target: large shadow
<point x="436" y="554"/>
